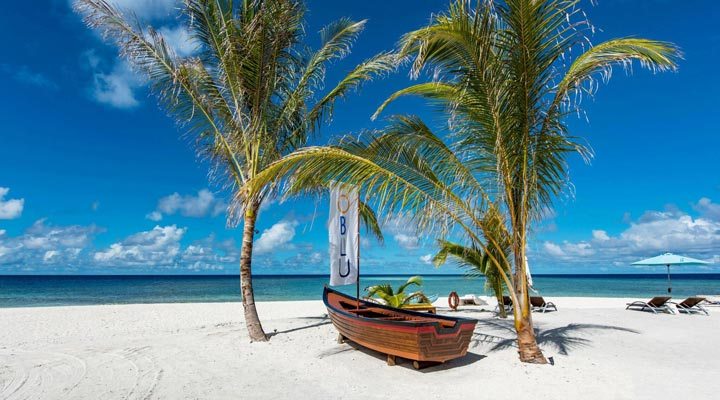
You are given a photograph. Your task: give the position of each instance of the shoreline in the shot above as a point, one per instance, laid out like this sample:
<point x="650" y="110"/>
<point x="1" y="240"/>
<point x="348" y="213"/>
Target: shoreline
<point x="662" y="275"/>
<point x="607" y="301"/>
<point x="577" y="302"/>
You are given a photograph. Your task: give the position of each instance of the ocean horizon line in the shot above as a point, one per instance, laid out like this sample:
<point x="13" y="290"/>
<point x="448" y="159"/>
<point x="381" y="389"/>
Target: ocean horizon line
<point x="550" y="275"/>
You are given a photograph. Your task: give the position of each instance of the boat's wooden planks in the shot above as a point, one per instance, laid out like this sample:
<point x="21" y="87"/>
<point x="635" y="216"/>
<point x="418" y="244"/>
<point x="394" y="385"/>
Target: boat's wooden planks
<point x="398" y="333"/>
<point x="411" y="345"/>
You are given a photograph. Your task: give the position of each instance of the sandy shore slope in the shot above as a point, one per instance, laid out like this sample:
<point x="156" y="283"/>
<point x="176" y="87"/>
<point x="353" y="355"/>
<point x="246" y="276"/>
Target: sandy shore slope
<point x="177" y="351"/>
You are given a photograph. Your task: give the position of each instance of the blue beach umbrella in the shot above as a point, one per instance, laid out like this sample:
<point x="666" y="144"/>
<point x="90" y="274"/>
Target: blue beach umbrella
<point x="669" y="259"/>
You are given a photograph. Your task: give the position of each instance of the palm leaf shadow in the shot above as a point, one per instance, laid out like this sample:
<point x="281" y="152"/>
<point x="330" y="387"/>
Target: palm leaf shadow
<point x="563" y="339"/>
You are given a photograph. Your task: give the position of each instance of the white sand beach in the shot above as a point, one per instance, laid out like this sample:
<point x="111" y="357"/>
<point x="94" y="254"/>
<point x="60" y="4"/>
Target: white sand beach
<point x="201" y="351"/>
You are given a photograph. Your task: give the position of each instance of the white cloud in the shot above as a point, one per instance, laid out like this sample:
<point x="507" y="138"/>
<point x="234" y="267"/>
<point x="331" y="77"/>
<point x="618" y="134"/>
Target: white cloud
<point x="43" y="243"/>
<point x="45" y="236"/>
<point x="154" y="216"/>
<point x="653" y="233"/>
<point x="275" y="237"/>
<point x="49" y="255"/>
<point x="708" y="209"/>
<point x="11" y="208"/>
<point x="581" y="249"/>
<point x="553" y="249"/>
<point x="179" y="39"/>
<point x="600" y="235"/>
<point x="210" y="255"/>
<point x="63" y="248"/>
<point x="189" y="206"/>
<point x="304" y="259"/>
<point x="157" y="247"/>
<point x="407" y="241"/>
<point x="315" y="258"/>
<point x="114" y="82"/>
<point x="426" y="259"/>
<point x="116" y="88"/>
<point x="403" y="231"/>
<point x="23" y="74"/>
<point x="201" y="205"/>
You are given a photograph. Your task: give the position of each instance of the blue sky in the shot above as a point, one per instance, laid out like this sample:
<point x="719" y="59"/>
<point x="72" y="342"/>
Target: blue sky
<point x="95" y="178"/>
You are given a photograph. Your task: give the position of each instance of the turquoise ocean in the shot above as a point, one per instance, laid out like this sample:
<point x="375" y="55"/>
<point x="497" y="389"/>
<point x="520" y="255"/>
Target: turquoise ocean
<point x="35" y="291"/>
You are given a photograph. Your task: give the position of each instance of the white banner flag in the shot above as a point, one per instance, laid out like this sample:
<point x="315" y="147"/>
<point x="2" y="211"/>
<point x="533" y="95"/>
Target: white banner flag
<point x="344" y="236"/>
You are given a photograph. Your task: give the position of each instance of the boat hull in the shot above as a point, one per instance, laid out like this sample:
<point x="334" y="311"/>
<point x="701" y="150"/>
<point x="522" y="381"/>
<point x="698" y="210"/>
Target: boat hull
<point x="411" y="335"/>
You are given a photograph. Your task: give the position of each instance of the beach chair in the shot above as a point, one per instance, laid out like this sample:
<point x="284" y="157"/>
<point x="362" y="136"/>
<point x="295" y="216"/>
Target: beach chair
<point x="471" y="300"/>
<point x="710" y="300"/>
<point x="691" y="305"/>
<point x="507" y="303"/>
<point x="539" y="304"/>
<point x="659" y="303"/>
<point x="421" y="307"/>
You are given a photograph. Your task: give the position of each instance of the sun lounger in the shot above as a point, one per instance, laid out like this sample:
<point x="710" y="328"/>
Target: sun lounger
<point x="539" y="304"/>
<point x="420" y="307"/>
<point x="471" y="300"/>
<point x="433" y="297"/>
<point x="691" y="305"/>
<point x="655" y="304"/>
<point x="710" y="300"/>
<point x="507" y="303"/>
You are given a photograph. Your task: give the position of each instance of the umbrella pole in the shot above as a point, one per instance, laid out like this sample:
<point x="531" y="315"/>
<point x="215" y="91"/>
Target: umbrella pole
<point x="669" y="284"/>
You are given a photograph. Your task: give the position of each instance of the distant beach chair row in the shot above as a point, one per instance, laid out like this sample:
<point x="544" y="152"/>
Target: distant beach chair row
<point x="662" y="304"/>
<point x="537" y="303"/>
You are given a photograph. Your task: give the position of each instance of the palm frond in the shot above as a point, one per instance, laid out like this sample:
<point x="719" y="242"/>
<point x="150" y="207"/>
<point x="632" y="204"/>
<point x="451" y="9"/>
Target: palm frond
<point x="413" y="280"/>
<point x="444" y="92"/>
<point x="467" y="257"/>
<point x="385" y="289"/>
<point x="599" y="60"/>
<point x="369" y="220"/>
<point x="391" y="185"/>
<point x="376" y="66"/>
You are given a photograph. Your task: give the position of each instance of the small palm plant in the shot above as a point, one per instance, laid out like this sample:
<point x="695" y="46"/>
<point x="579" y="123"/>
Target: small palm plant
<point x="398" y="298"/>
<point x="478" y="262"/>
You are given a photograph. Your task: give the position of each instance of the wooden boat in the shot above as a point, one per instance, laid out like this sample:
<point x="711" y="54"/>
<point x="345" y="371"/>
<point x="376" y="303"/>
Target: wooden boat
<point x="416" y="336"/>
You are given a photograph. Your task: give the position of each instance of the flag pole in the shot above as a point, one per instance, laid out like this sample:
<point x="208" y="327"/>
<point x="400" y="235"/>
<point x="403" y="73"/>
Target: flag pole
<point x="357" y="281"/>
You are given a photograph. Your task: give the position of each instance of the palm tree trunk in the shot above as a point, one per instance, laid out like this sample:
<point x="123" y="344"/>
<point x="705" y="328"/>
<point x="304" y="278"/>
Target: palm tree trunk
<point x="252" y="321"/>
<point x="527" y="343"/>
<point x="498" y="289"/>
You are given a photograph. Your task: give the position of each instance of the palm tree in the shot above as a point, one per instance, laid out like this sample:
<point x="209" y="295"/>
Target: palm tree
<point x="398" y="298"/>
<point x="505" y="78"/>
<point x="247" y="97"/>
<point x="479" y="262"/>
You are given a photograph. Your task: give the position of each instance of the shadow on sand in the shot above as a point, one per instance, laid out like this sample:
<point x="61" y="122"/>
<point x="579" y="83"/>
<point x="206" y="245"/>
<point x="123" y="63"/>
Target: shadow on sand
<point x="323" y="320"/>
<point x="468" y="359"/>
<point x="563" y="339"/>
